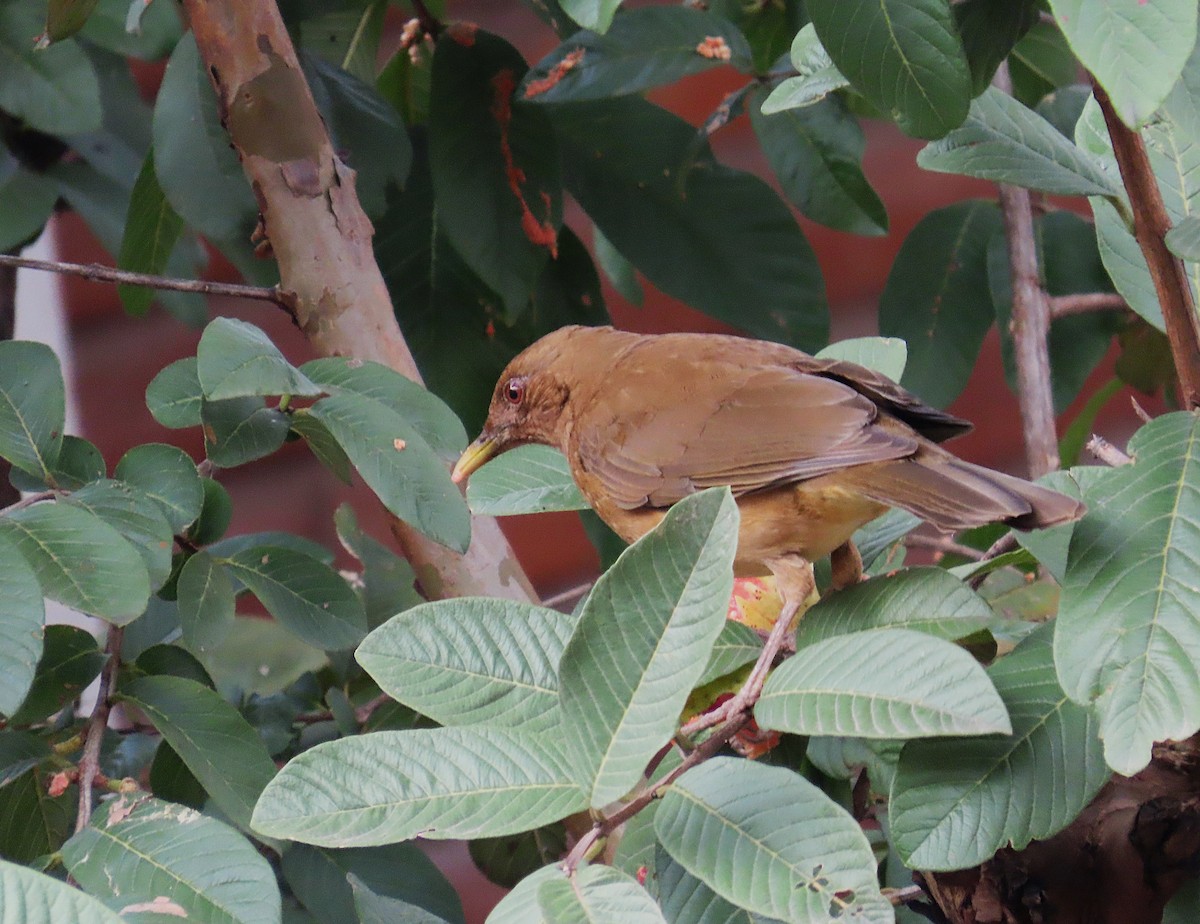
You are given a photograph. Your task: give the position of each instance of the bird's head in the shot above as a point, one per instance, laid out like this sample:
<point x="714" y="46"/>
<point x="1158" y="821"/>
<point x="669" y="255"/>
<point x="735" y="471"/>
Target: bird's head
<point x="527" y="404"/>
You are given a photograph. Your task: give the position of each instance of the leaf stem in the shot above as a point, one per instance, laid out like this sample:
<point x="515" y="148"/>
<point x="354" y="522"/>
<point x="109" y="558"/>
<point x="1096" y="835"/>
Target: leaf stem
<point x="89" y="763"/>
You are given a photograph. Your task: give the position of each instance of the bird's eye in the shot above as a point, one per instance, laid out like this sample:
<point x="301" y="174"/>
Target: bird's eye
<point x="514" y="391"/>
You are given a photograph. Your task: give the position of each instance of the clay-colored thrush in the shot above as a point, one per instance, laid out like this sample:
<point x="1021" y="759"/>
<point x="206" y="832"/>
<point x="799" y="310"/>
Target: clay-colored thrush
<point x="812" y="448"/>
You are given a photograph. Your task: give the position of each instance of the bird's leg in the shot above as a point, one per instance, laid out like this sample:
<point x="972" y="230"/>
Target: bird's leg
<point x="847" y="565"/>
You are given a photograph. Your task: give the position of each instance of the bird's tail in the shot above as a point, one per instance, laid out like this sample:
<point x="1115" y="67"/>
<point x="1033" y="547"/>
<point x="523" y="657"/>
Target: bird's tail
<point x="953" y="494"/>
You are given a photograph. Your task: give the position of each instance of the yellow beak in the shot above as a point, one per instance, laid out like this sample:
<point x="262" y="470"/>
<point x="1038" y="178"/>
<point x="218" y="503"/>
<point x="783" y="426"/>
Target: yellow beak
<point x="473" y="457"/>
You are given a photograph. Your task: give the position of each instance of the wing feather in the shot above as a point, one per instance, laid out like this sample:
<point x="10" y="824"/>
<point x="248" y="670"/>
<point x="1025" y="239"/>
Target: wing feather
<point x="750" y="429"/>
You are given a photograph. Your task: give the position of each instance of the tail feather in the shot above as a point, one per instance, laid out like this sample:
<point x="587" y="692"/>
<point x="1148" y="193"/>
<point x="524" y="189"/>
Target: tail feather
<point x="953" y="494"/>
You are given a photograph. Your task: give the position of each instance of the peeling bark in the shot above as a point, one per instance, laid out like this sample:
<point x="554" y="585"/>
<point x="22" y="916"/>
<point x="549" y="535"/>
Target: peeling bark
<point x="321" y="239"/>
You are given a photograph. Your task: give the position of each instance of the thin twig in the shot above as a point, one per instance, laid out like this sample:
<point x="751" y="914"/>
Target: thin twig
<point x="605" y="826"/>
<point x="1063" y="306"/>
<point x="903" y="896"/>
<point x="943" y="544"/>
<point x="1030" y="323"/>
<point x="571" y="595"/>
<point x="89" y="764"/>
<point x="1106" y="452"/>
<point x="98" y="273"/>
<point x="1004" y="544"/>
<point x="29" y="501"/>
<point x="1150" y="225"/>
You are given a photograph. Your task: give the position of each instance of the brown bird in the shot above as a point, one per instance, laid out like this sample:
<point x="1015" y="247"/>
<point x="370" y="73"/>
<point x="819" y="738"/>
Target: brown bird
<point x="812" y="448"/>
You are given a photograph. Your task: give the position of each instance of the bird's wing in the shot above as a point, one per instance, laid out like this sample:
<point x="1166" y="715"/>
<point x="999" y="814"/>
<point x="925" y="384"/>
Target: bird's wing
<point x="750" y="429"/>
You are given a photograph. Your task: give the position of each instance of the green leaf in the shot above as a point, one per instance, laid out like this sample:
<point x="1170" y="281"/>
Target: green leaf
<point x="955" y="803"/>
<point x="904" y="56"/>
<point x="373" y="908"/>
<point x="520" y="906"/>
<point x="309" y="598"/>
<point x="365" y="130"/>
<point x="322" y="444"/>
<point x="147" y="31"/>
<point x="70" y="661"/>
<point x="1041" y="63"/>
<point x="1172" y="142"/>
<point x="64" y="18"/>
<point x="1117" y="42"/>
<point x="318" y="877"/>
<point x="32" y="406"/>
<point x="643" y="639"/>
<point x="21" y="615"/>
<point x="1130" y="612"/>
<point x="936" y="298"/>
<point x="495" y="165"/>
<point x="79" y="462"/>
<point x="471" y="661"/>
<point x="1184" y="239"/>
<point x="817" y="75"/>
<point x="80" y="560"/>
<point x="152" y="230"/>
<point x="198" y="170"/>
<point x="989" y="30"/>
<point x="811" y="860"/>
<point x="260" y="657"/>
<point x="736" y="646"/>
<point x="595" y="894"/>
<point x="816" y="154"/>
<point x="923" y="599"/>
<point x="143" y="855"/>
<point x="398" y="465"/>
<point x="215" y="514"/>
<point x="136" y="517"/>
<point x="20" y="752"/>
<point x="528" y="479"/>
<point x="437" y="783"/>
<point x="218" y="746"/>
<point x="716" y="238"/>
<point x="167" y="475"/>
<point x="505" y="861"/>
<point x="32" y="823"/>
<point x="27" y="201"/>
<point x="35" y="898"/>
<point x="644" y="48"/>
<point x="888" y="355"/>
<point x="1005" y="141"/>
<point x="240" y="430"/>
<point x="687" y="900"/>
<point x="206" y="601"/>
<point x="237" y="360"/>
<point x="421" y="408"/>
<point x="617" y="269"/>
<point x="53" y="90"/>
<point x="847" y="685"/>
<point x="387" y="579"/>
<point x="596" y="15"/>
<point x="174" y="397"/>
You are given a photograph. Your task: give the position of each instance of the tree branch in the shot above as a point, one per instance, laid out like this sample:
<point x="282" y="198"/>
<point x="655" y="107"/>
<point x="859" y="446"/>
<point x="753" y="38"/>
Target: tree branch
<point x="1030" y="323"/>
<point x="98" y="273"/>
<point x="89" y="763"/>
<point x="321" y="239"/>
<point x="1063" y="306"/>
<point x="1150" y="225"/>
<point x="1106" y="452"/>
